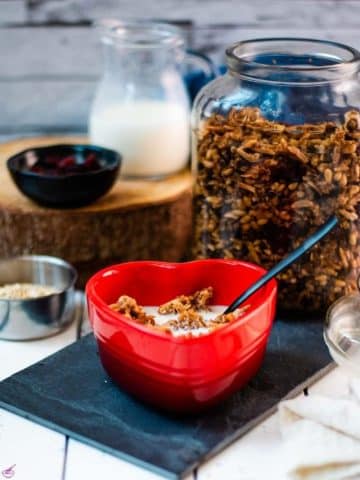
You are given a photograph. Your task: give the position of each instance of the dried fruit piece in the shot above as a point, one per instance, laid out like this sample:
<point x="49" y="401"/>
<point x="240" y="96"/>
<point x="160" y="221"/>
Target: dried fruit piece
<point x="58" y="166"/>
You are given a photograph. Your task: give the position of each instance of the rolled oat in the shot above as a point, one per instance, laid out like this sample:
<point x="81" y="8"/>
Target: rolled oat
<point x="25" y="291"/>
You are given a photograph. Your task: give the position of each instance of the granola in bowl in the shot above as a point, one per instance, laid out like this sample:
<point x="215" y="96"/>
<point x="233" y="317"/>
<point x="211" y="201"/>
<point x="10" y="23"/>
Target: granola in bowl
<point x="189" y="315"/>
<point x="263" y="186"/>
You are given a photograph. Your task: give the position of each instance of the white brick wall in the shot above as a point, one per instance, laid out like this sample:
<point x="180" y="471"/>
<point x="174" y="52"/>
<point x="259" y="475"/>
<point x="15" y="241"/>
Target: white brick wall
<point x="50" y="57"/>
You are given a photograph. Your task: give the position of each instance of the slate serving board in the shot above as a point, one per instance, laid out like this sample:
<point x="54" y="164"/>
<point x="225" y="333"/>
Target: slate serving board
<point x="70" y="392"/>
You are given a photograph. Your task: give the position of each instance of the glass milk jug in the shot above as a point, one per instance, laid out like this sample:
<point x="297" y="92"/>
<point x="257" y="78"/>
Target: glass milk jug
<point x="141" y="107"/>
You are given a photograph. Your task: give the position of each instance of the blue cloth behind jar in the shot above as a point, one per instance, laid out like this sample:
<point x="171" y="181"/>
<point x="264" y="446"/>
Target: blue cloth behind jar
<point x="197" y="78"/>
<point x="291" y="104"/>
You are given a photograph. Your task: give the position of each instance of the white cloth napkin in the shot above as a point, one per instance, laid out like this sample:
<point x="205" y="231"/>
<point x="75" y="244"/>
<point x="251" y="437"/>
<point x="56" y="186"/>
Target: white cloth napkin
<point x="322" y="436"/>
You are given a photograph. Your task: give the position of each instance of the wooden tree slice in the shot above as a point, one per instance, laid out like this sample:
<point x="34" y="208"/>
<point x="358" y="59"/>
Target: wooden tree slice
<point x="135" y="220"/>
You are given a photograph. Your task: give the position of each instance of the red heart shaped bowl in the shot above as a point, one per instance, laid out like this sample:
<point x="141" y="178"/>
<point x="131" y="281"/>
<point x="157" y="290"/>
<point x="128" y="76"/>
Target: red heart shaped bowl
<point x="177" y="373"/>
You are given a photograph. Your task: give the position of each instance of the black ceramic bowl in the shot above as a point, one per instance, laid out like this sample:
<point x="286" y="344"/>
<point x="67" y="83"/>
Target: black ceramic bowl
<point x="54" y="185"/>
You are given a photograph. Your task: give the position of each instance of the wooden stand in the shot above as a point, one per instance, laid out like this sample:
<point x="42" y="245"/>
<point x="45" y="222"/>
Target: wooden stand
<point x="136" y="220"/>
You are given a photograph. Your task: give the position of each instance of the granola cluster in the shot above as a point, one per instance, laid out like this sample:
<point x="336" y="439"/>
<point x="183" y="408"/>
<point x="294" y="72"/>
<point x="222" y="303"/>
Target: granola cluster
<point x="263" y="187"/>
<point x="188" y="308"/>
<point x="198" y="301"/>
<point x="129" y="307"/>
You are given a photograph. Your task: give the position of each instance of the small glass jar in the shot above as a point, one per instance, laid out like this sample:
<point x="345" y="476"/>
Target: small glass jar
<point x="276" y="152"/>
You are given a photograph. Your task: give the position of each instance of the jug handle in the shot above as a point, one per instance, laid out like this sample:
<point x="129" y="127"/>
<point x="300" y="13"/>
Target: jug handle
<point x="203" y="62"/>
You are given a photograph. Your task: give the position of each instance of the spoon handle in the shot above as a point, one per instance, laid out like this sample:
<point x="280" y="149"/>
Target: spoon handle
<point x="283" y="264"/>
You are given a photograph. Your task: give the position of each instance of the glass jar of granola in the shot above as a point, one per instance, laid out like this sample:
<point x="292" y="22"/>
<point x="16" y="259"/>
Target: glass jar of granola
<point x="276" y="151"/>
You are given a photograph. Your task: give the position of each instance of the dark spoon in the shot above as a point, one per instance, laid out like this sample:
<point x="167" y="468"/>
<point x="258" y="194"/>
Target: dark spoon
<point x="286" y="262"/>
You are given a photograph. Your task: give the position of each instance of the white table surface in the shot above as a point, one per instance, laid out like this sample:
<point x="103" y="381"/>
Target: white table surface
<point x="42" y="454"/>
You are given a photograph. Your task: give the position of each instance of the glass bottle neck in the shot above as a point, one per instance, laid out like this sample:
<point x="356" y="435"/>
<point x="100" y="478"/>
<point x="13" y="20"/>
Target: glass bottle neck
<point x="140" y="47"/>
<point x="128" y="61"/>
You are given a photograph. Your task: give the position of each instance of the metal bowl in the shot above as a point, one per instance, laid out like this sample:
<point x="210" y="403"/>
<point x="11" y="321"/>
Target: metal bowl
<point x="342" y="332"/>
<point x="41" y="317"/>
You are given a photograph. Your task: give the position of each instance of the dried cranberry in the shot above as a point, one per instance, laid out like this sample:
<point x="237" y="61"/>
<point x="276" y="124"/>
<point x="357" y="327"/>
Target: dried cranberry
<point x="67" y="162"/>
<point x="91" y="162"/>
<point x="57" y="165"/>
